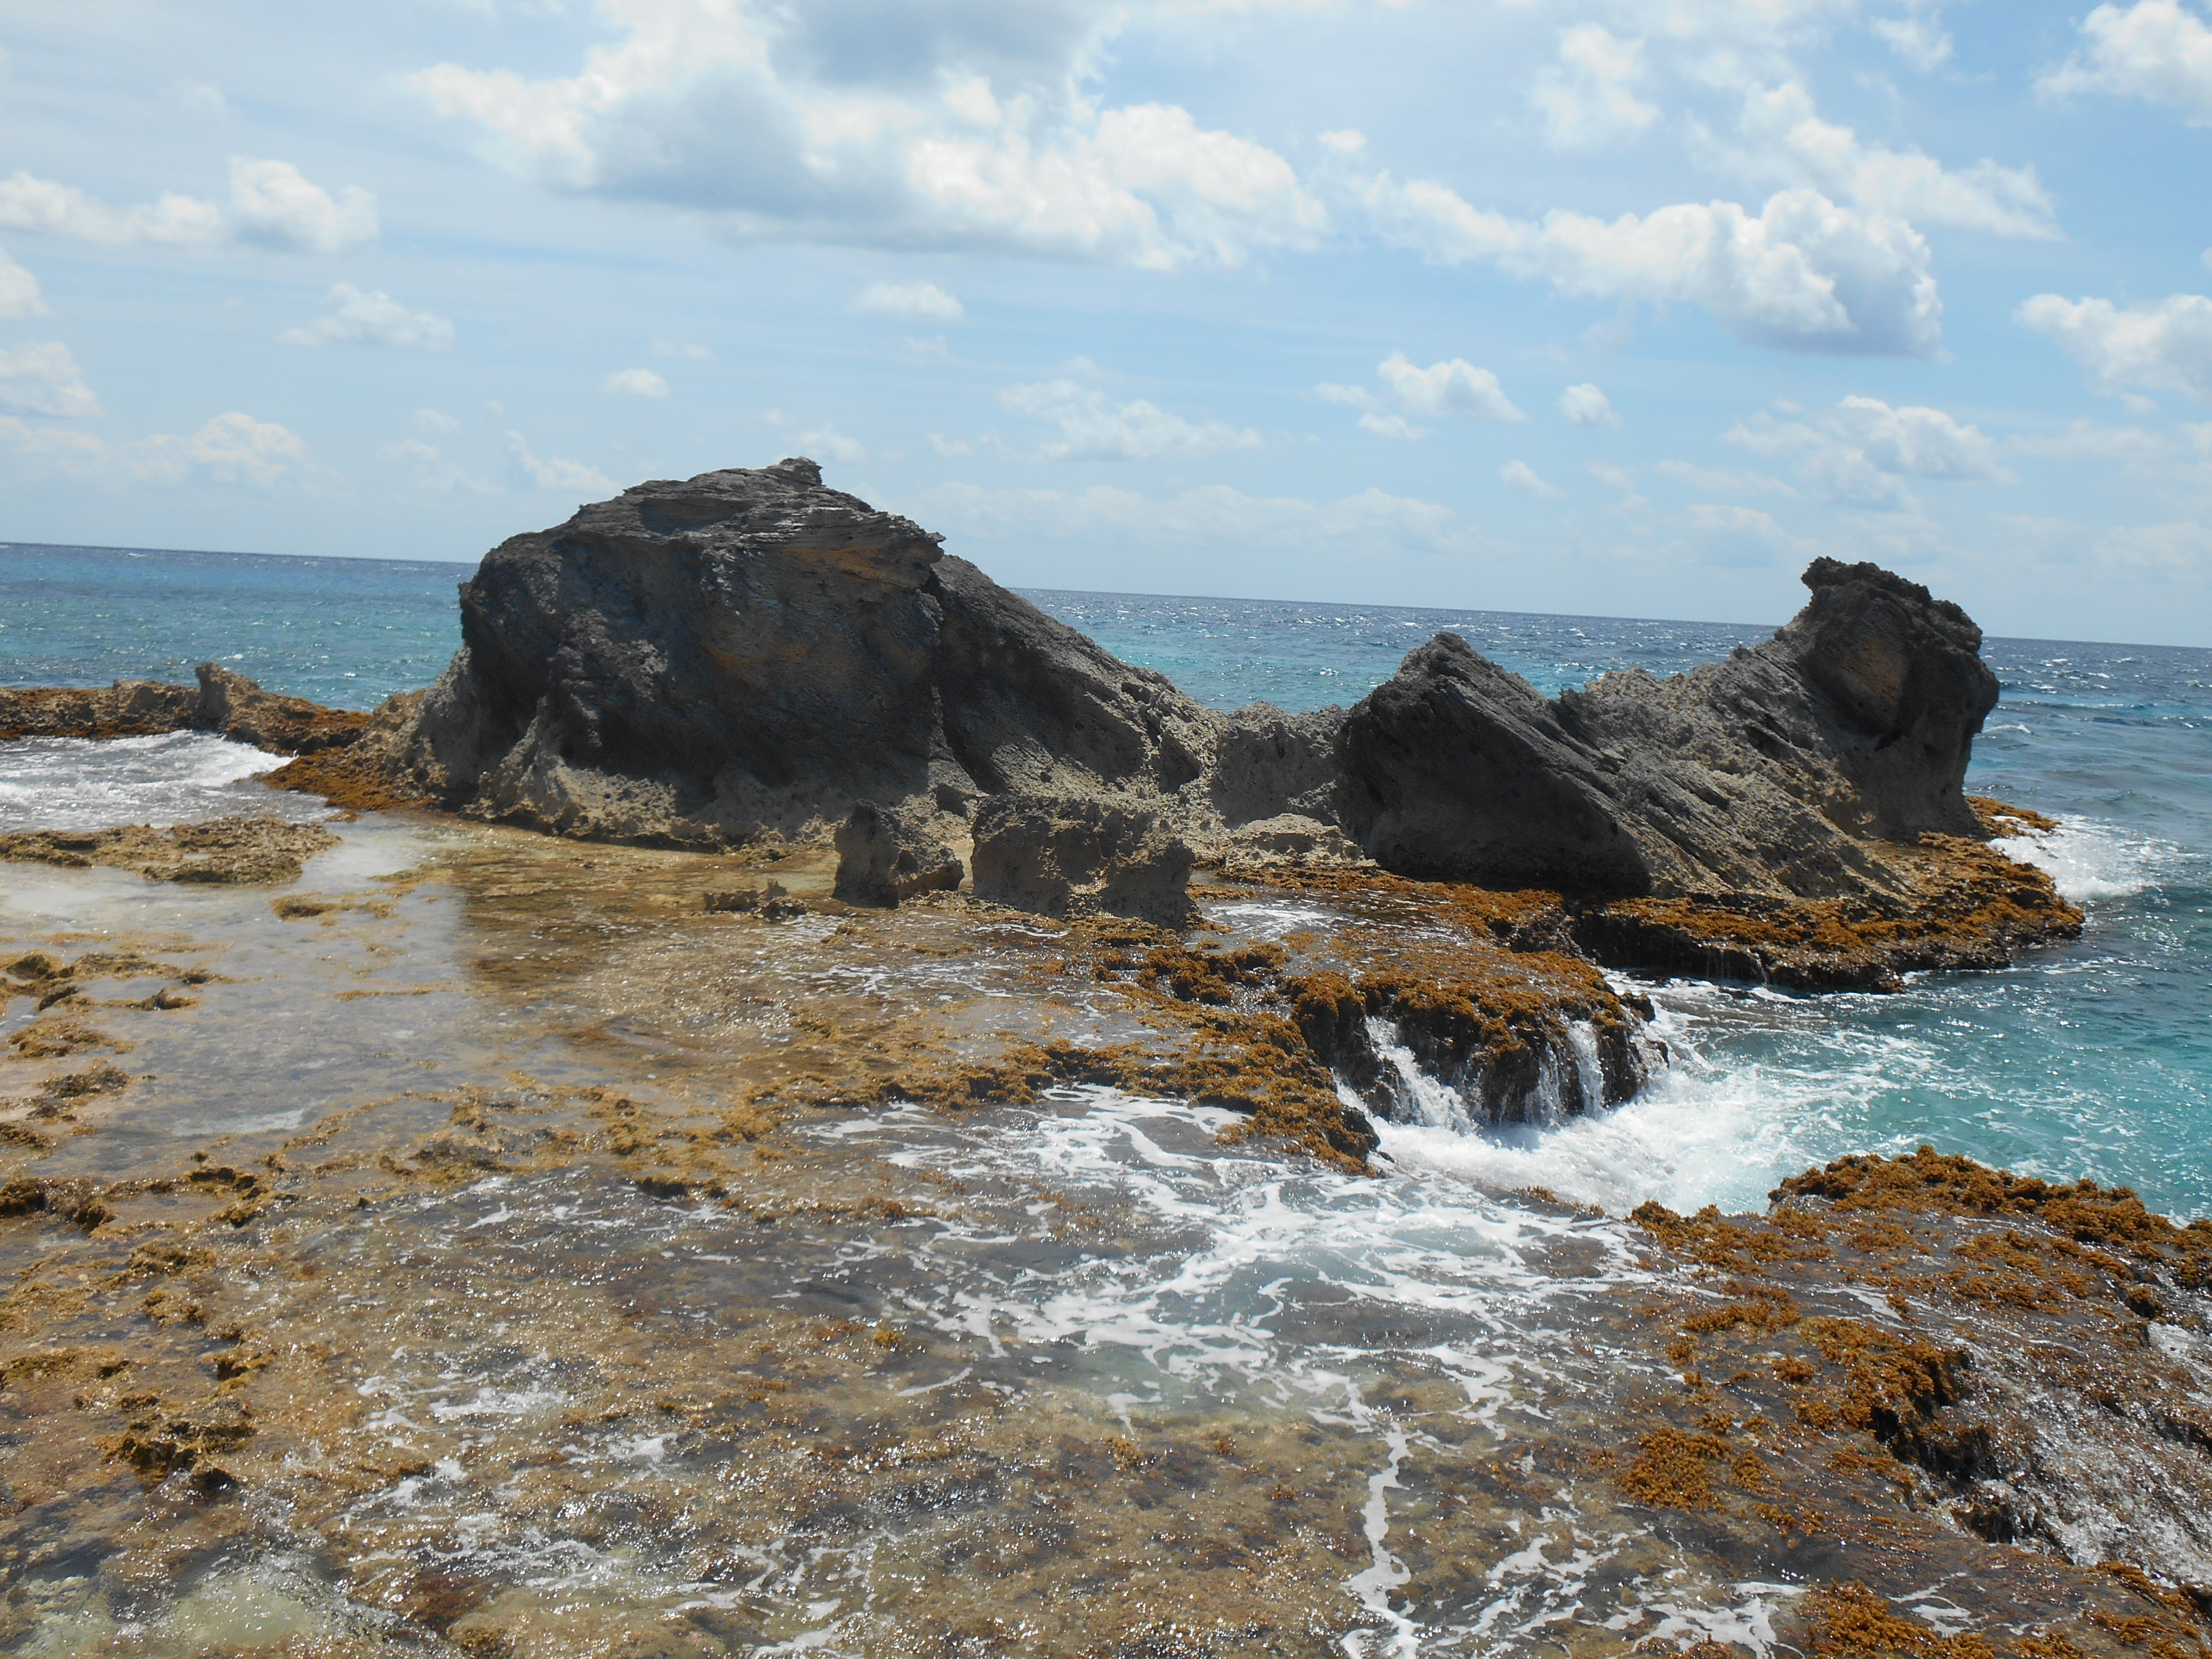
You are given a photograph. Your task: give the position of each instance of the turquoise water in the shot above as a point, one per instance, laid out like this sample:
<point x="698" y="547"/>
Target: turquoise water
<point x="2091" y="1059"/>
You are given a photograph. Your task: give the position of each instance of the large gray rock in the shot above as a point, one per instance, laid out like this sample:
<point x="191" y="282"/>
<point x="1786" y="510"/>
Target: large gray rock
<point x="697" y="661"/>
<point x="1771" y="772"/>
<point x="1069" y="856"/>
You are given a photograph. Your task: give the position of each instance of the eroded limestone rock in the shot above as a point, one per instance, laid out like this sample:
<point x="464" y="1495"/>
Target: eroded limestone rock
<point x="881" y="858"/>
<point x="1062" y="855"/>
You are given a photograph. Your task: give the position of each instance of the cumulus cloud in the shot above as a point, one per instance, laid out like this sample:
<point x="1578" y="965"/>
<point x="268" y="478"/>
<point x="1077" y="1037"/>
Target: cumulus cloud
<point x="1452" y="386"/>
<point x="18" y="291"/>
<point x="1723" y="480"/>
<point x="690" y="351"/>
<point x="1920" y="42"/>
<point x="1522" y="477"/>
<point x="1588" y="98"/>
<point x="230" y="449"/>
<point x="933" y="126"/>
<point x="1586" y="405"/>
<point x="2159" y="51"/>
<point x="1093" y="427"/>
<point x="44" y="379"/>
<point x="369" y="316"/>
<point x="2165" y="346"/>
<point x="1788" y="143"/>
<point x="271" y="205"/>
<point x="635" y="383"/>
<point x="1741" y="536"/>
<point x="1862" y="451"/>
<point x="1803" y="274"/>
<point x="555" y="473"/>
<point x="925" y="301"/>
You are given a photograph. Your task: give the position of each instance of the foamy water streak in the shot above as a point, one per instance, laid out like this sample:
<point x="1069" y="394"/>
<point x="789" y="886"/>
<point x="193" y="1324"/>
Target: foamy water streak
<point x="2090" y="861"/>
<point x="179" y="777"/>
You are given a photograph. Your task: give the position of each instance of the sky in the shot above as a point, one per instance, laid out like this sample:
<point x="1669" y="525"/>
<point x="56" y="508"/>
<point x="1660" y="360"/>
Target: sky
<point x="1591" y="307"/>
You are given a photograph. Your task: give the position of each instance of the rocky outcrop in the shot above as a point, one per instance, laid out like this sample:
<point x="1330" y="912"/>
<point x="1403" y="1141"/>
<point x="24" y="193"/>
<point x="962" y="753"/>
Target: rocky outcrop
<point x="1063" y="856"/>
<point x="1779" y="771"/>
<point x="224" y="703"/>
<point x="881" y="858"/>
<point x="698" y="662"/>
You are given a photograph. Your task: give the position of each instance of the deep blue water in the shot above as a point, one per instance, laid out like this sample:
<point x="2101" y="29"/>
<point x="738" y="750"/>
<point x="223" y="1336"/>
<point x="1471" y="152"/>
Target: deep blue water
<point x="2093" y="1059"/>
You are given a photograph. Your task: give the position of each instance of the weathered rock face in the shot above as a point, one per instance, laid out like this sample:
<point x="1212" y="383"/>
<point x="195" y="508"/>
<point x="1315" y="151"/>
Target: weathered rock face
<point x="698" y="661"/>
<point x="225" y="703"/>
<point x="881" y="858"/>
<point x="1060" y="856"/>
<point x="1775" y="771"/>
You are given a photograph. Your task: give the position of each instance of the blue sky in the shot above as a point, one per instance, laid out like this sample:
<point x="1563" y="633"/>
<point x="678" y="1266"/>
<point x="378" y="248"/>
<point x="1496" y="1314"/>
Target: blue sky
<point x="1613" y="306"/>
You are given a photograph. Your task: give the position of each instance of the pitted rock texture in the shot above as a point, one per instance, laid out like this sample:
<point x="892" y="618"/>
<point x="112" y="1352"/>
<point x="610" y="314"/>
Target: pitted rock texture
<point x="1780" y="771"/>
<point x="881" y="858"/>
<point x="1061" y="856"/>
<point x="697" y="662"/>
<point x="225" y="703"/>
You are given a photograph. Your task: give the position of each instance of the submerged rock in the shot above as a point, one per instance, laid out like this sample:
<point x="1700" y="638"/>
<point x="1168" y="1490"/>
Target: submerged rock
<point x="881" y="858"/>
<point x="230" y="851"/>
<point x="1060" y="856"/>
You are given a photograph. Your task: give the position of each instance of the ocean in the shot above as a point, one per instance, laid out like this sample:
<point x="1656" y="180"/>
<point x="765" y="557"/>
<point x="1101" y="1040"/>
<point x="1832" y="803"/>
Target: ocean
<point x="2093" y="1059"/>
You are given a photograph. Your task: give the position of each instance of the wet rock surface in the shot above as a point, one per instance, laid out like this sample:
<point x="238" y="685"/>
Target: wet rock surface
<point x="633" y="1291"/>
<point x="227" y="851"/>
<point x="224" y="702"/>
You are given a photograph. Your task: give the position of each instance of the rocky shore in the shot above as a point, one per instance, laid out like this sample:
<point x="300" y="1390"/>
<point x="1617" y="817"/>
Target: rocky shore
<point x="850" y="1123"/>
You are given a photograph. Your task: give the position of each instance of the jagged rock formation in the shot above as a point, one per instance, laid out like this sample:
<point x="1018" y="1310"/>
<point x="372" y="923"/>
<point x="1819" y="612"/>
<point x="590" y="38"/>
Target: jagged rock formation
<point x="1778" y="771"/>
<point x="881" y="858"/>
<point x="224" y="703"/>
<point x="1062" y="855"/>
<point x="697" y="662"/>
<point x="748" y="655"/>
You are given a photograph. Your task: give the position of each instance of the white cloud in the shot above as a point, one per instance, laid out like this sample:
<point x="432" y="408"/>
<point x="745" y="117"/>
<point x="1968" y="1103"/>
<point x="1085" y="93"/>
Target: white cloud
<point x="885" y="129"/>
<point x="1452" y="387"/>
<point x="835" y="445"/>
<point x="1804" y="274"/>
<point x="555" y="473"/>
<point x="2159" y="51"/>
<point x="1862" y="451"/>
<point x="1522" y="477"/>
<point x="690" y="351"/>
<point x="435" y="422"/>
<point x="1586" y="405"/>
<point x="429" y="472"/>
<point x="635" y="383"/>
<point x="923" y="300"/>
<point x="1346" y="141"/>
<point x="231" y="449"/>
<point x="1586" y="100"/>
<point x="270" y="205"/>
<point x="358" y="317"/>
<point x="1742" y="537"/>
<point x="1093" y="427"/>
<point x="2166" y="346"/>
<point x="2183" y="547"/>
<point x="1790" y="143"/>
<point x="19" y="291"/>
<point x="44" y="379"/>
<point x="1921" y="42"/>
<point x="923" y="350"/>
<point x="202" y="98"/>
<point x="952" y="449"/>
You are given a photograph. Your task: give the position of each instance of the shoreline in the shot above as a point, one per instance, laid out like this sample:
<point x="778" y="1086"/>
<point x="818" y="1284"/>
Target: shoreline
<point x="1837" y="1396"/>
